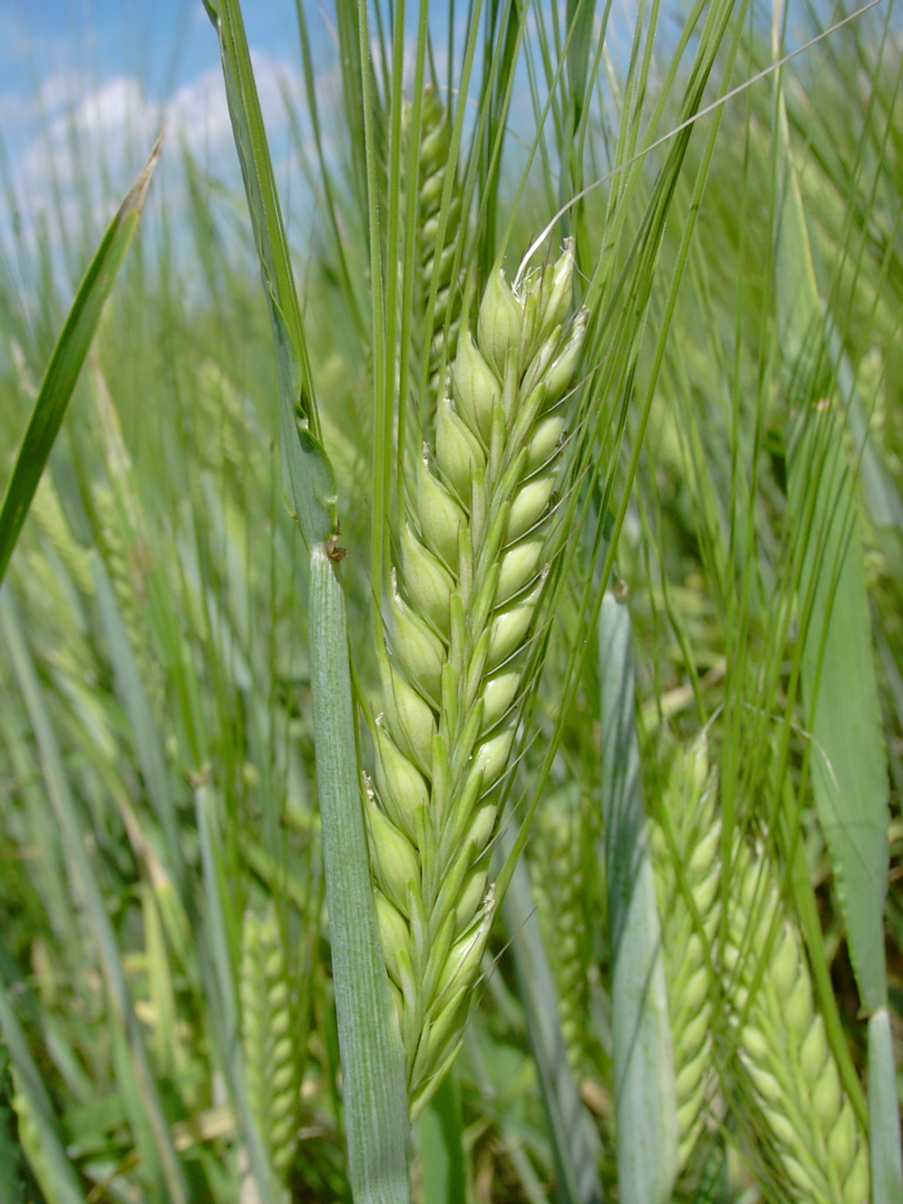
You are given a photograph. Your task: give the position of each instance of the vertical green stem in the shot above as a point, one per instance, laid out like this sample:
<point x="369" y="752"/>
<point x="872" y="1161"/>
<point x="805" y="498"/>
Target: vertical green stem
<point x="373" y="1076"/>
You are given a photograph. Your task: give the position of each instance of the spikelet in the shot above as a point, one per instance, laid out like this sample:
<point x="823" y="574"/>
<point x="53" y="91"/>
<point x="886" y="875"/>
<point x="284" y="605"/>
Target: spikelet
<point x="48" y="592"/>
<point x="473" y="560"/>
<point x="783" y="1048"/>
<point x="65" y="641"/>
<point x="47" y="510"/>
<point x="435" y="142"/>
<point x="122" y="538"/>
<point x="556" y="873"/>
<point x="271" y="1061"/>
<point x="125" y="558"/>
<point x="227" y="438"/>
<point x="689" y="932"/>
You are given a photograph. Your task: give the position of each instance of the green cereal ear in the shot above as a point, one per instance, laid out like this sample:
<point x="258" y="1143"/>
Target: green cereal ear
<point x="474" y="558"/>
<point x="428" y="583"/>
<point x="689" y="803"/>
<point x="782" y="1044"/>
<point x="409" y="719"/>
<point x="272" y="1068"/>
<point x="438" y="236"/>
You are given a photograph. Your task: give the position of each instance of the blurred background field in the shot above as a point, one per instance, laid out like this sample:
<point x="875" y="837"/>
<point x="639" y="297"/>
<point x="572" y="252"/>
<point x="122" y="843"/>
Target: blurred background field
<point x="154" y="684"/>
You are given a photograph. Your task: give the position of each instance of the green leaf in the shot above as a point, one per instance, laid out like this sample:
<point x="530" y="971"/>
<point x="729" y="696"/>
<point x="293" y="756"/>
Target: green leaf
<point x="58" y="1167"/>
<point x="441" y="1152"/>
<point x="376" y="1113"/>
<point x="840" y="691"/>
<point x="645" y="1089"/>
<point x="220" y="977"/>
<point x="76" y="841"/>
<point x="580" y="16"/>
<point x="884" y="1109"/>
<point x="313" y="484"/>
<point x="575" y="1142"/>
<point x="306" y="470"/>
<point x="133" y="694"/>
<point x="68" y="356"/>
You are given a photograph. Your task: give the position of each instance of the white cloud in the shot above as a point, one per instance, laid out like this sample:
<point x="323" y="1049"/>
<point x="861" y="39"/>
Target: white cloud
<point x="14" y="110"/>
<point x="200" y="114"/>
<point x="88" y="138"/>
<point x="84" y="148"/>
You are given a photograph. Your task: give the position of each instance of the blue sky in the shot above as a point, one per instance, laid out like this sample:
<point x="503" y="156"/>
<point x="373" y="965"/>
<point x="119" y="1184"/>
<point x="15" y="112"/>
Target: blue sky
<point x="113" y="71"/>
<point x="165" y="44"/>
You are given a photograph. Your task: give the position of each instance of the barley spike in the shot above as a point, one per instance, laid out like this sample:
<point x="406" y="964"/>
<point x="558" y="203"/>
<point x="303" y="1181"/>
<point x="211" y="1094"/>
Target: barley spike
<point x="783" y="1046"/>
<point x="48" y="510"/>
<point x="689" y="927"/>
<point x="435" y="142"/>
<point x="272" y="1066"/>
<point x="557" y="880"/>
<point x="474" y="554"/>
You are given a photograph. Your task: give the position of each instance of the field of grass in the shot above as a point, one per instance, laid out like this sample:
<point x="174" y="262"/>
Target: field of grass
<point x="663" y="959"/>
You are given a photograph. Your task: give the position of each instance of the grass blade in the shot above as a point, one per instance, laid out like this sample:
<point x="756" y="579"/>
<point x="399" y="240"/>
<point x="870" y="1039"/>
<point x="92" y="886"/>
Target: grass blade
<point x="376" y="1112"/>
<point x="307" y="473"/>
<point x="224" y="977"/>
<point x="645" y="1090"/>
<point x="133" y="694"/>
<point x="884" y="1111"/>
<point x="441" y="1151"/>
<point x="849" y="769"/>
<point x="75" y="839"/>
<point x="575" y="1143"/>
<point x="68" y="356"/>
<point x="840" y="689"/>
<point x="849" y="773"/>
<point x="59" y="1170"/>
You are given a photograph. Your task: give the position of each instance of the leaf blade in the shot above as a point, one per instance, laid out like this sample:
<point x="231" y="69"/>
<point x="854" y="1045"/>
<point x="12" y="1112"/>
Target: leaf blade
<point x="306" y="469"/>
<point x="376" y="1114"/>
<point x="68" y="355"/>
<point x="645" y="1088"/>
